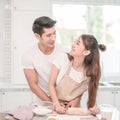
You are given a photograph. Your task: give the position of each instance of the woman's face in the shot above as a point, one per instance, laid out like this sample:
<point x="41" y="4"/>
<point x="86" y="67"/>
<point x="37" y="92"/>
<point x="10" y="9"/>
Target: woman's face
<point x="77" y="48"/>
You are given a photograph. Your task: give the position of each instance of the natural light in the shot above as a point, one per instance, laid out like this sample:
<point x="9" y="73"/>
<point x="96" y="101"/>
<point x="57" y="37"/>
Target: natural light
<point x="101" y="21"/>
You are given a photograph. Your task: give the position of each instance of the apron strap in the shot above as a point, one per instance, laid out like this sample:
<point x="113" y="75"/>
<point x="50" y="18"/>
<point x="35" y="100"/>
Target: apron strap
<point x="84" y="77"/>
<point x="69" y="68"/>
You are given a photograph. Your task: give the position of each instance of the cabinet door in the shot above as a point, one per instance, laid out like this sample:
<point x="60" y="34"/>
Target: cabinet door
<point x="11" y="100"/>
<point x="117" y="99"/>
<point x="105" y="97"/>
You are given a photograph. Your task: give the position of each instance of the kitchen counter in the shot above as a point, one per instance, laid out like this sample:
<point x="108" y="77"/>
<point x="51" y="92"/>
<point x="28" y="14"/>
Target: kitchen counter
<point x="115" y="115"/>
<point x="108" y="112"/>
<point x="109" y="85"/>
<point x="3" y="116"/>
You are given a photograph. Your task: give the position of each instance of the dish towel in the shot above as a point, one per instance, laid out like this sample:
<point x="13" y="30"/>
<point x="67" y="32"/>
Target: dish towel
<point x="22" y="113"/>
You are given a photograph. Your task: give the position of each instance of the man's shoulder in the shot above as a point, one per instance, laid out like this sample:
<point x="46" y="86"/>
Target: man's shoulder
<point x="30" y="50"/>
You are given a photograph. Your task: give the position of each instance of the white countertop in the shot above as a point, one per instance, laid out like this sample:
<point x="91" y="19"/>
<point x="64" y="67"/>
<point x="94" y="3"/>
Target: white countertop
<point x="106" y="85"/>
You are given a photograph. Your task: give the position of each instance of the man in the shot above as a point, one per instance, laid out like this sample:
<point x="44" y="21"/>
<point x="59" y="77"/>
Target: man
<point x="37" y="61"/>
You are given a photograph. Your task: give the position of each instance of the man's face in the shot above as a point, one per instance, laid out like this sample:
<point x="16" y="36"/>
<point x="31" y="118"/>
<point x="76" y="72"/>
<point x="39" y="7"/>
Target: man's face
<point x="48" y="37"/>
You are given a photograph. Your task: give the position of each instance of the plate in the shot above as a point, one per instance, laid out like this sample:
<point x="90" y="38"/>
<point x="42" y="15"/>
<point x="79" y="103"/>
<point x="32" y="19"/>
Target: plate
<point x="41" y="110"/>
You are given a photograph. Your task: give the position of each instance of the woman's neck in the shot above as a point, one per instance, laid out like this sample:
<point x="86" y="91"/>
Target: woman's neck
<point x="78" y="65"/>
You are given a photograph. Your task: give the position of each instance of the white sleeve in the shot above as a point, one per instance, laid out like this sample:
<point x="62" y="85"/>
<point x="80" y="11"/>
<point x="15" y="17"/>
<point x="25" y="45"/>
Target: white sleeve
<point x="60" y="60"/>
<point x="27" y="60"/>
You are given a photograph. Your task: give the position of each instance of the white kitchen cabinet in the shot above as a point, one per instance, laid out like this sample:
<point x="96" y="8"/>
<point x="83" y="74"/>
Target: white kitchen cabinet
<point x="109" y="96"/>
<point x="117" y="99"/>
<point x="85" y="98"/>
<point x="105" y="97"/>
<point x="13" y="99"/>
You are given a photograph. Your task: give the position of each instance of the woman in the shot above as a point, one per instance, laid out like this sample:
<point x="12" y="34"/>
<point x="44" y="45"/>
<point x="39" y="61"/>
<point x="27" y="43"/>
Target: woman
<point x="74" y="73"/>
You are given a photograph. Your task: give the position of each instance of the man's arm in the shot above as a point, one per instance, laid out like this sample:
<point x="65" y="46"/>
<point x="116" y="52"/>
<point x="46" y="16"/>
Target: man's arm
<point x="31" y="77"/>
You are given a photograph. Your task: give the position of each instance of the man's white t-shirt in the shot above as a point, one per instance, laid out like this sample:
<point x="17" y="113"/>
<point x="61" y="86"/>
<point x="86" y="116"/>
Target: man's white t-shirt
<point x="33" y="58"/>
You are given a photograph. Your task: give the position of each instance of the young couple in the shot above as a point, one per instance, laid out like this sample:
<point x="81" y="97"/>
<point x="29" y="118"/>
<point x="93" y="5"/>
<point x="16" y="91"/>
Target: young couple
<point x="60" y="77"/>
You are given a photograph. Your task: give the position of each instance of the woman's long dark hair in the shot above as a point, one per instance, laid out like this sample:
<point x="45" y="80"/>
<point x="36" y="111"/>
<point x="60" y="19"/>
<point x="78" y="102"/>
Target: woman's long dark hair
<point x="92" y="66"/>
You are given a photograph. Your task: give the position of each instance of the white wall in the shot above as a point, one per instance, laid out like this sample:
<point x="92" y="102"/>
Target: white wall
<point x="24" y="12"/>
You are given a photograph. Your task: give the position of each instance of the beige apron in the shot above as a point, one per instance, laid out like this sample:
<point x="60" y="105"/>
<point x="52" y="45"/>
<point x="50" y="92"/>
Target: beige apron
<point x="68" y="89"/>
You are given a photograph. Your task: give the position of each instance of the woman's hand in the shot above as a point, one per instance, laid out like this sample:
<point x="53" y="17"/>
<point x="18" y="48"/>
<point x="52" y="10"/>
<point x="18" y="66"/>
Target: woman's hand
<point x="94" y="110"/>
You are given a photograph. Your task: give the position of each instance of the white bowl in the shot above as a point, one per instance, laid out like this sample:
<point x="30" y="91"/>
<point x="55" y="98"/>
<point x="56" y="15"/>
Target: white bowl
<point x="42" y="110"/>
